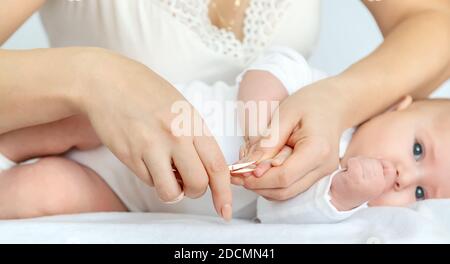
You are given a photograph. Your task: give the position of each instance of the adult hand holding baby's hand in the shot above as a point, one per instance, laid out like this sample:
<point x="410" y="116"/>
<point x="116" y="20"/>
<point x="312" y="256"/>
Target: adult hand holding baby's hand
<point x="363" y="180"/>
<point x="311" y="122"/>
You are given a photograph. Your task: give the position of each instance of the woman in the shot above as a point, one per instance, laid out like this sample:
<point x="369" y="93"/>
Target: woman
<point x="128" y="104"/>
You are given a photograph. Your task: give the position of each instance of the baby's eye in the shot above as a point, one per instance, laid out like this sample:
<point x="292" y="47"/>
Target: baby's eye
<point x="417" y="151"/>
<point x="420" y="193"/>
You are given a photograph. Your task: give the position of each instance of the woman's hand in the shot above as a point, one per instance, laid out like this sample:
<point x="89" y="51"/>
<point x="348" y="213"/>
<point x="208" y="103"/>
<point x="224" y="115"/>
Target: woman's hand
<point x="129" y="107"/>
<point x="311" y="123"/>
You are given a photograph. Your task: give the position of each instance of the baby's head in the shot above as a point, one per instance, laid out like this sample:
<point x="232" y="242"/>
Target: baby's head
<point x="415" y="138"/>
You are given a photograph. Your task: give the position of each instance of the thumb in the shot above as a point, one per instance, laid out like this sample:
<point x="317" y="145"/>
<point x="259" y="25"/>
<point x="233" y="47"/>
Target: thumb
<point x="272" y="140"/>
<point x="390" y="174"/>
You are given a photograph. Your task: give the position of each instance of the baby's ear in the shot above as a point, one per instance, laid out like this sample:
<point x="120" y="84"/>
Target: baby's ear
<point x="402" y="104"/>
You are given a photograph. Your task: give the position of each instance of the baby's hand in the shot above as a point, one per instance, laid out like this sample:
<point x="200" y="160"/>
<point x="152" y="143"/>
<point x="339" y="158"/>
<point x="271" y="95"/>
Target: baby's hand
<point x="363" y="181"/>
<point x="263" y="166"/>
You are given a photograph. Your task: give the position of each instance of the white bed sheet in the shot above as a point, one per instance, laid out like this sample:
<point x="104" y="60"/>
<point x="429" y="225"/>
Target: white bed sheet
<point x="425" y="222"/>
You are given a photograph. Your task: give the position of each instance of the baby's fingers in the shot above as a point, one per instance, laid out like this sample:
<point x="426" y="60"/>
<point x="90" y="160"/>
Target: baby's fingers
<point x="390" y="173"/>
<point x="279" y="159"/>
<point x="262" y="167"/>
<point x="282" y="156"/>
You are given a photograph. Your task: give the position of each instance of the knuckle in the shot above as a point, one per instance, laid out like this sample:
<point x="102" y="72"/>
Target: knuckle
<point x="355" y="178"/>
<point x="284" y="194"/>
<point x="150" y="141"/>
<point x="196" y="194"/>
<point x="180" y="139"/>
<point x="353" y="161"/>
<point x="356" y="168"/>
<point x="323" y="148"/>
<point x="279" y="195"/>
<point x="217" y="166"/>
<point x="122" y="152"/>
<point x="283" y="179"/>
<point x="167" y="195"/>
<point x="196" y="190"/>
<point x="330" y="167"/>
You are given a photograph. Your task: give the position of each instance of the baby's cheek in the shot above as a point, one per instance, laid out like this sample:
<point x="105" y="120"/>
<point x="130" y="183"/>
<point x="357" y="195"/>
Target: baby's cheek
<point x="393" y="198"/>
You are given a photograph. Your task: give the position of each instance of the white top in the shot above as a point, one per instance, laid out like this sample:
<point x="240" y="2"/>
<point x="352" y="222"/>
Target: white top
<point x="176" y="38"/>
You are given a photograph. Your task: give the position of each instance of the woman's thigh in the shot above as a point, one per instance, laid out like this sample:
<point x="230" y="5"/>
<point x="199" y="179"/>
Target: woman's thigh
<point x="52" y="186"/>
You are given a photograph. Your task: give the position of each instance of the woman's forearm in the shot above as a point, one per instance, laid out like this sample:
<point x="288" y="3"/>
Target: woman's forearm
<point x="38" y="86"/>
<point x="413" y="59"/>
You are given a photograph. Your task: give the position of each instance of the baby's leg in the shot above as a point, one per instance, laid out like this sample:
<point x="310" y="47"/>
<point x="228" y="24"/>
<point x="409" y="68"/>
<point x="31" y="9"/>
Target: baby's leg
<point x="53" y="186"/>
<point x="48" y="139"/>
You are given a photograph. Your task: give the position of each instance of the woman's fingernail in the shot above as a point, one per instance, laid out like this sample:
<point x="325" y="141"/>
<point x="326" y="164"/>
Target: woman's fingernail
<point x="227" y="212"/>
<point x="178" y="199"/>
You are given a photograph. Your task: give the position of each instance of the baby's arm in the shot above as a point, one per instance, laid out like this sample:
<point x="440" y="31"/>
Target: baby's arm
<point x="259" y="86"/>
<point x="48" y="139"/>
<point x="280" y="72"/>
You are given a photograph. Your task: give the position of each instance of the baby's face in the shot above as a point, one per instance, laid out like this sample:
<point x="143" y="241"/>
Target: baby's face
<point x="416" y="139"/>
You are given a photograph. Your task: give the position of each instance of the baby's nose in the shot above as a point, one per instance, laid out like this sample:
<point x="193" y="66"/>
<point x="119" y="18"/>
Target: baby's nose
<point x="407" y="176"/>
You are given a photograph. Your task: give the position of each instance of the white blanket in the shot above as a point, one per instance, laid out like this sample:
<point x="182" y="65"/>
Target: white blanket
<point x="425" y="222"/>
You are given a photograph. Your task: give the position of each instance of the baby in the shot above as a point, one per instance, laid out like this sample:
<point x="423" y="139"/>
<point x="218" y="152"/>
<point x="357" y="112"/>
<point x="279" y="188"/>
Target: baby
<point x="396" y="158"/>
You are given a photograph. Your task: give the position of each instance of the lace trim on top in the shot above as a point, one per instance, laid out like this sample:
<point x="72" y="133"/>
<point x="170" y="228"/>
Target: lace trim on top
<point x="260" y="21"/>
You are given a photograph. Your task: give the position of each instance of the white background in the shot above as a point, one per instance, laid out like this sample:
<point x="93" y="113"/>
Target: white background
<point x="348" y="34"/>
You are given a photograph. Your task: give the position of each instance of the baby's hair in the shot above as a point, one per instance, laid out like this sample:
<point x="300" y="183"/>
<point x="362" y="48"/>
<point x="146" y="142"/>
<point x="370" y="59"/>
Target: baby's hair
<point x="431" y="100"/>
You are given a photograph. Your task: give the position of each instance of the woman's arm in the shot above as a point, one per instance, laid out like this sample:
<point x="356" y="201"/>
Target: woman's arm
<point x="413" y="59"/>
<point x="130" y="108"/>
<point x="37" y="86"/>
<point x="128" y="105"/>
<point x="14" y="13"/>
<point x="25" y="83"/>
